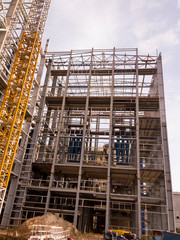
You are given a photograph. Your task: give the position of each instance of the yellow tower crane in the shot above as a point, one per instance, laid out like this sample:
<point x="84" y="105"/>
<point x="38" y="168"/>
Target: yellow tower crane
<point x="14" y="105"/>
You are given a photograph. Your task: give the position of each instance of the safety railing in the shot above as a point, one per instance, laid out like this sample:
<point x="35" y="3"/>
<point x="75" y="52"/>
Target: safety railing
<point x="95" y="185"/>
<point x="69" y="184"/>
<point x="39" y="182"/>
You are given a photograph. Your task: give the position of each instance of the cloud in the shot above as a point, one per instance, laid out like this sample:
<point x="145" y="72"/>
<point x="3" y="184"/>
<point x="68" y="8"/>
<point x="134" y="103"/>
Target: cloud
<point x="165" y="39"/>
<point x="178" y="24"/>
<point x="156" y="35"/>
<point x="138" y="7"/>
<point x="154" y="4"/>
<point x="143" y="28"/>
<point x="178" y="3"/>
<point x="84" y="24"/>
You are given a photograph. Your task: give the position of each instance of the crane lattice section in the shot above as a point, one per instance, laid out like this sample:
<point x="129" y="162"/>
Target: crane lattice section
<point x="15" y="102"/>
<point x="14" y="105"/>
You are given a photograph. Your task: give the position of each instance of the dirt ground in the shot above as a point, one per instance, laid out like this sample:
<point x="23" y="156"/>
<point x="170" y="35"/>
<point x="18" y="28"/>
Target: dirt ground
<point x="8" y="235"/>
<point x="92" y="236"/>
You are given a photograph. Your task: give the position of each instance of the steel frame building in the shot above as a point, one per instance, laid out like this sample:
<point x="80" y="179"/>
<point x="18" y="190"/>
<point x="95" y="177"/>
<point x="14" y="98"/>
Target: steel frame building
<point x="97" y="152"/>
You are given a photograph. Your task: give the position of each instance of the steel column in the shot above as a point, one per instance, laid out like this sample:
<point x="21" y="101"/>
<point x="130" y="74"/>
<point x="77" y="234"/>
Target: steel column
<point x="167" y="168"/>
<point x="110" y="150"/>
<point x="137" y="152"/>
<point x="83" y="142"/>
<point x="60" y="123"/>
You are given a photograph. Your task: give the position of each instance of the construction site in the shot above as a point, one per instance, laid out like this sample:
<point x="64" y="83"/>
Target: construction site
<point x="83" y="133"/>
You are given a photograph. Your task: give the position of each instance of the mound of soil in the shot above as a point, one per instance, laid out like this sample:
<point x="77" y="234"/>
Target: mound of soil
<point x="50" y="219"/>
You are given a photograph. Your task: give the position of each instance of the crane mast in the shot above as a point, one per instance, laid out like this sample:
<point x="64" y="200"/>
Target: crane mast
<point x="15" y="101"/>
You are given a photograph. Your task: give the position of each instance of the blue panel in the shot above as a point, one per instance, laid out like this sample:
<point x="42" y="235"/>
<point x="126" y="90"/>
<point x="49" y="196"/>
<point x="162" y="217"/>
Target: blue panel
<point x="122" y="150"/>
<point x="117" y="147"/>
<point x="170" y="236"/>
<point x="75" y="146"/>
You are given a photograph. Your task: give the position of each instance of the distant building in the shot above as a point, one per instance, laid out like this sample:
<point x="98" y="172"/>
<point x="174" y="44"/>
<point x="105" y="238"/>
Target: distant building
<point x="176" y="200"/>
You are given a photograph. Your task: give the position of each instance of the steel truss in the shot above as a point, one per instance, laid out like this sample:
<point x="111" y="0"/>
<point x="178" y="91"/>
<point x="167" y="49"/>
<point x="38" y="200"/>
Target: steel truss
<point x="14" y="105"/>
<point x="14" y="18"/>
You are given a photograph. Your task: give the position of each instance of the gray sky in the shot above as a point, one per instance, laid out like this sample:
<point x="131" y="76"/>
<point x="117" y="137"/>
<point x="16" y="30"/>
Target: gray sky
<point x="150" y="25"/>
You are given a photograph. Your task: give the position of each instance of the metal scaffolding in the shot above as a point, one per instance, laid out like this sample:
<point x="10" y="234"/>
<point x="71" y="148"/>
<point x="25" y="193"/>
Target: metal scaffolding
<point x="13" y="21"/>
<point x="24" y="21"/>
<point x="97" y="153"/>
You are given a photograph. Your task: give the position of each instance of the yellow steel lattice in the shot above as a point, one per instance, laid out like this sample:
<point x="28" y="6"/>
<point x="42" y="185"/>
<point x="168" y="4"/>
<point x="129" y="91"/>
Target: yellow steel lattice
<point x="14" y="105"/>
